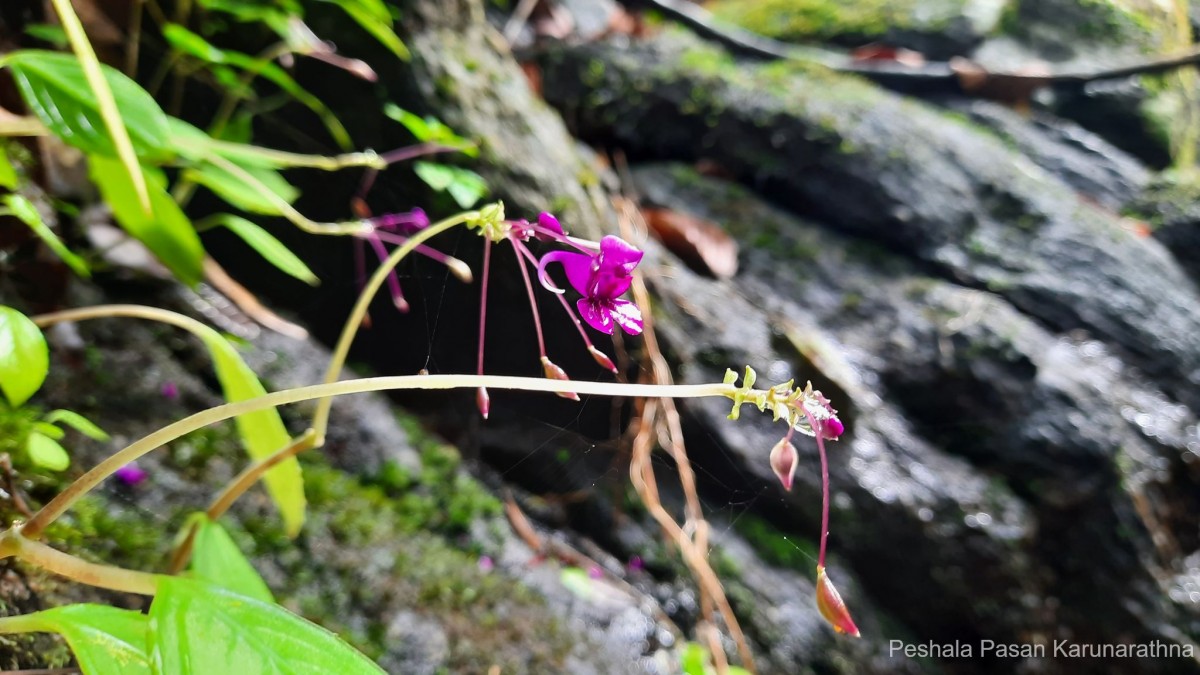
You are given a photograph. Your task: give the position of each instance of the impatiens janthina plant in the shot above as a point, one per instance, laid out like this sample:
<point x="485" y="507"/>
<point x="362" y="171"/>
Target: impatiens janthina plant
<point x="224" y="595"/>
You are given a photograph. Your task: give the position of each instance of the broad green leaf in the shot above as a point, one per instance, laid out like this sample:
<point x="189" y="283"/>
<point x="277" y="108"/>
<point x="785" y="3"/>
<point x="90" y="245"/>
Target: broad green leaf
<point x="262" y="431"/>
<point x="374" y="17"/>
<point x="198" y="628"/>
<point x="8" y="172"/>
<point x="167" y="232"/>
<point x="24" y="356"/>
<point x="216" y="559"/>
<point x="45" y="452"/>
<point x="57" y="91"/>
<point x="77" y="422"/>
<point x="268" y="247"/>
<point x="245" y="196"/>
<point x="430" y="130"/>
<point x="105" y="640"/>
<point x="27" y="213"/>
<point x="49" y="430"/>
<point x="466" y="187"/>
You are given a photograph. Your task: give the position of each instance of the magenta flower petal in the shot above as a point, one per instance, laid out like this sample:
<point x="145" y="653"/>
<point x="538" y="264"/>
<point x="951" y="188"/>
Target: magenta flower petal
<point x="616" y="253"/>
<point x="577" y="266"/>
<point x="595" y="315"/>
<point x="403" y="223"/>
<point x="551" y="223"/>
<point x="627" y="315"/>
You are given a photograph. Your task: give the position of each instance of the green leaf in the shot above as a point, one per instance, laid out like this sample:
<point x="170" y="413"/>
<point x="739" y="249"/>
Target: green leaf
<point x="105" y="640"/>
<point x="577" y="581"/>
<point x="197" y="47"/>
<point x="49" y="430"/>
<point x="192" y="44"/>
<point x="199" y="628"/>
<point x="262" y="431"/>
<point x="465" y="186"/>
<point x="55" y="88"/>
<point x="77" y="422"/>
<point x="55" y="35"/>
<point x="374" y="17"/>
<point x="216" y="559"/>
<point x="693" y="659"/>
<point x="24" y="356"/>
<point x="274" y="15"/>
<point x="430" y="130"/>
<point x="268" y="247"/>
<point x="45" y="452"/>
<point x="167" y="232"/>
<point x="27" y="213"/>
<point x="8" y="172"/>
<point x="245" y="196"/>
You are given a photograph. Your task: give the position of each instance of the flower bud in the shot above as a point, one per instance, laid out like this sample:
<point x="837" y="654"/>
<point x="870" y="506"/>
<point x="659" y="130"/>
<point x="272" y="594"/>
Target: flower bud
<point x="602" y="359"/>
<point x="483" y="401"/>
<point x="783" y="462"/>
<point x="832" y="428"/>
<point x="831" y="606"/>
<point x="553" y="372"/>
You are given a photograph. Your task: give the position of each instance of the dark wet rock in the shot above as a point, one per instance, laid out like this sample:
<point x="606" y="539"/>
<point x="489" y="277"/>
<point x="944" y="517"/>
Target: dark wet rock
<point x="1171" y="210"/>
<point x="1077" y="157"/>
<point x="1138" y="114"/>
<point x="901" y="174"/>
<point x="988" y="463"/>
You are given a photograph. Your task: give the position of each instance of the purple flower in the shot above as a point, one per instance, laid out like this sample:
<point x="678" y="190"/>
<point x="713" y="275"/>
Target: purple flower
<point x="601" y="278"/>
<point x="131" y="474"/>
<point x="170" y="391"/>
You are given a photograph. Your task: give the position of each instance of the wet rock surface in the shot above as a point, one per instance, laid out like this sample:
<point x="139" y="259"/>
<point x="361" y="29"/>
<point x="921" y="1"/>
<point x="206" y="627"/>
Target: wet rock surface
<point x="901" y="174"/>
<point x="988" y="463"/>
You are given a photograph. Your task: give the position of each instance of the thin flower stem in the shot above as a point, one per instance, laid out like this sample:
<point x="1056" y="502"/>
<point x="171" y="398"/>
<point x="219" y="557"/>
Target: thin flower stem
<point x="393" y="281"/>
<point x="518" y="248"/>
<point x="321" y="417"/>
<point x="483" y="291"/>
<point x="250" y="475"/>
<point x="187" y="323"/>
<point x="819" y="433"/>
<point x="459" y="268"/>
<point x="234" y="490"/>
<point x="566" y="305"/>
<point x="285" y="209"/>
<point x="413" y="151"/>
<point x="13" y="544"/>
<point x="85" y="483"/>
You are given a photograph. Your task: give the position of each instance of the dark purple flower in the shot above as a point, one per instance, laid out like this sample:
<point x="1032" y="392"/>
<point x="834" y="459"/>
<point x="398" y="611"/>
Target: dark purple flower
<point x="601" y="278"/>
<point x="170" y="391"/>
<point x="131" y="474"/>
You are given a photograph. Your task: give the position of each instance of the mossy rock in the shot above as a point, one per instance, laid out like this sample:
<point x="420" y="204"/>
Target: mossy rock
<point x="942" y="27"/>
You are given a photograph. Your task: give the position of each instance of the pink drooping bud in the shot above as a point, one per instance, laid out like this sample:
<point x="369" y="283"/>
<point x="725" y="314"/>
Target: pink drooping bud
<point x="602" y="359"/>
<point x="553" y="372"/>
<point x="483" y="401"/>
<point x="783" y="462"/>
<point x="832" y="428"/>
<point x="831" y="606"/>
